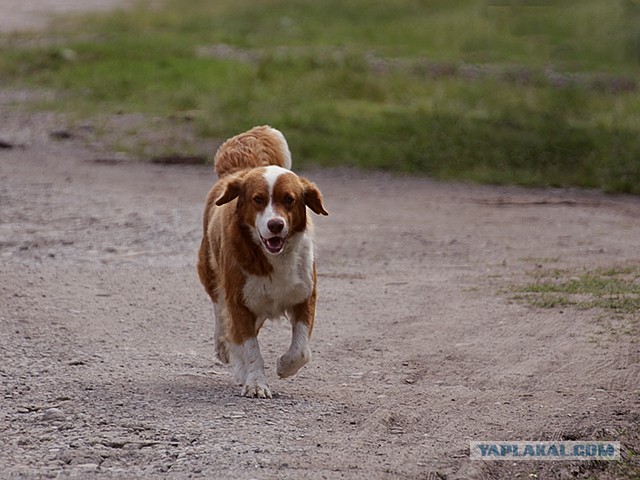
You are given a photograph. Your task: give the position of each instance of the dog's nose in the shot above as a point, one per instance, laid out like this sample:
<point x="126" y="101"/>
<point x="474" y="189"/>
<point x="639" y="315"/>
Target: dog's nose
<point x="275" y="225"/>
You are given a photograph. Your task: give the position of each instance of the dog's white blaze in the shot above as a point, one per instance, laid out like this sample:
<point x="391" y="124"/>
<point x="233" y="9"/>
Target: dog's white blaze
<point x="248" y="368"/>
<point x="262" y="219"/>
<point x="271" y="174"/>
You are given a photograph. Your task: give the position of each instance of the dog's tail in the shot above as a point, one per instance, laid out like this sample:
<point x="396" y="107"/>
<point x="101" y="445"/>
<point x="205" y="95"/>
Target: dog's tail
<point x="258" y="147"/>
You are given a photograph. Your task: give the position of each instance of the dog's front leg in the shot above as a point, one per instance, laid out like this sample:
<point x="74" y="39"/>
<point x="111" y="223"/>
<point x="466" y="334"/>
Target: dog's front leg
<point x="246" y="359"/>
<point x="299" y="353"/>
<point x="249" y="368"/>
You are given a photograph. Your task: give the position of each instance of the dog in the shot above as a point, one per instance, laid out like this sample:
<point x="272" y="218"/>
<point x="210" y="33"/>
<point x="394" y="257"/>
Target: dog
<point x="257" y="256"/>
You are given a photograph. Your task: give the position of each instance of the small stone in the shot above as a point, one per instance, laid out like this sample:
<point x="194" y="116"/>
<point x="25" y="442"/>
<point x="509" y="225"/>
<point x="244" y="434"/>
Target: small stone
<point x="61" y="135"/>
<point x="115" y="442"/>
<point x="53" y="414"/>
<point x="234" y="415"/>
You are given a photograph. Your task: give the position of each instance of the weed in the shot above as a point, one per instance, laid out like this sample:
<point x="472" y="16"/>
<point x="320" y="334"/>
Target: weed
<point x="615" y="289"/>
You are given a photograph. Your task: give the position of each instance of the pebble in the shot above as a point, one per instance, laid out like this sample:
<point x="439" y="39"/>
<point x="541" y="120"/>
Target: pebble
<point x="52" y="414"/>
<point x="234" y="415"/>
<point x="61" y="134"/>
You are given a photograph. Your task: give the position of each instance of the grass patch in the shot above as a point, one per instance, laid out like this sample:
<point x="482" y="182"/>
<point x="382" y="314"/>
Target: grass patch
<point x="613" y="289"/>
<point x="455" y="90"/>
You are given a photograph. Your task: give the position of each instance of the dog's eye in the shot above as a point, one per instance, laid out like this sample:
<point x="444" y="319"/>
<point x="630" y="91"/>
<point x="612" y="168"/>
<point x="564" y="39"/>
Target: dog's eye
<point x="258" y="200"/>
<point x="289" y="200"/>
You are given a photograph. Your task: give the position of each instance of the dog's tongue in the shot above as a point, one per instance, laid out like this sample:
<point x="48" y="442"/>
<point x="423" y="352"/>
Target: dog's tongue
<point x="274" y="244"/>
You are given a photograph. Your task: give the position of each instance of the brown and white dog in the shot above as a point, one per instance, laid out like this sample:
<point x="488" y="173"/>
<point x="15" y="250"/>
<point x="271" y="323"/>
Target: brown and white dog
<point x="257" y="257"/>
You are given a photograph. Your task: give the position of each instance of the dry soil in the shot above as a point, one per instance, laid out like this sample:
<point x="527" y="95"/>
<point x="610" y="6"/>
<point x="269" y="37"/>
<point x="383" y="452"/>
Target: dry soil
<point x="106" y="336"/>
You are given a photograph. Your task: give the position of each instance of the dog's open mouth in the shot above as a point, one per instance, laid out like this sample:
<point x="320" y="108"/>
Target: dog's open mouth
<point x="274" y="245"/>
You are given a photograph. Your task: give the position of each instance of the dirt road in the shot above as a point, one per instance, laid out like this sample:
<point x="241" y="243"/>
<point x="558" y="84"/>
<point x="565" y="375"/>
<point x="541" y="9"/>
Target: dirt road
<point x="106" y="336"/>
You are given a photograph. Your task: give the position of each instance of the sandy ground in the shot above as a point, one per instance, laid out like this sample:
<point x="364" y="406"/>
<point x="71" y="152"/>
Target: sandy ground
<point x="106" y="336"/>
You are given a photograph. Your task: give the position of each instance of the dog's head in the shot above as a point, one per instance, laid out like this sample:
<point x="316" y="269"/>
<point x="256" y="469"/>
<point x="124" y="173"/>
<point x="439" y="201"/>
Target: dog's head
<point x="272" y="202"/>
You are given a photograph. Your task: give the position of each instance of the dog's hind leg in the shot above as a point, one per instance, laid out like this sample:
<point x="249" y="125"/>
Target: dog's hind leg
<point x="220" y="332"/>
<point x="208" y="279"/>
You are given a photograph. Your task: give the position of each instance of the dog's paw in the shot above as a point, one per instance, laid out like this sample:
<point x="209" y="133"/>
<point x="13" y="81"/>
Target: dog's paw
<point x="289" y="364"/>
<point x="256" y="389"/>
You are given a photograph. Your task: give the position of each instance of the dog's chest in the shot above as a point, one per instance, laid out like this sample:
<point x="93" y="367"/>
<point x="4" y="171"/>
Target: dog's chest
<point x="290" y="283"/>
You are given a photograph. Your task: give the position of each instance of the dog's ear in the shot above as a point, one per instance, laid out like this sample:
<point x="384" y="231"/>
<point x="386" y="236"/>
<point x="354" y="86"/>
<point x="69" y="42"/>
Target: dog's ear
<point x="231" y="190"/>
<point x="313" y="197"/>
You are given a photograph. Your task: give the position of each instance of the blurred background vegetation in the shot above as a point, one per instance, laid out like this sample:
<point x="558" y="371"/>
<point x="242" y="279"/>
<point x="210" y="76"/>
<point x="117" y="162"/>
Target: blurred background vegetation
<point x="528" y="92"/>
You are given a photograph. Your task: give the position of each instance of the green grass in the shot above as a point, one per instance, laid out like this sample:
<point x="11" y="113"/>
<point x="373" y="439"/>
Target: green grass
<point x="613" y="289"/>
<point x="455" y="90"/>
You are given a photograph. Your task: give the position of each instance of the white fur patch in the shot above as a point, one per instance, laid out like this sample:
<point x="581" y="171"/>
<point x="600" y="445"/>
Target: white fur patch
<point x="290" y="283"/>
<point x="248" y="368"/>
<point x="271" y="174"/>
<point x="284" y="148"/>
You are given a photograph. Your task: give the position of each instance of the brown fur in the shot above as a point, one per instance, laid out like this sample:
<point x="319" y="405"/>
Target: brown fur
<point x="256" y="148"/>
<point x="227" y="251"/>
